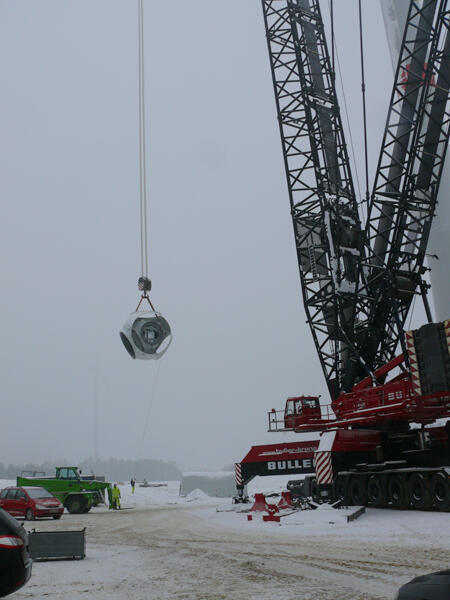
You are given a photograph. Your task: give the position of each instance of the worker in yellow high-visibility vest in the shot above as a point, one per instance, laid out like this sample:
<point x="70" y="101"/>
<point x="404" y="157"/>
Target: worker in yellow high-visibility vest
<point x="115" y="497"/>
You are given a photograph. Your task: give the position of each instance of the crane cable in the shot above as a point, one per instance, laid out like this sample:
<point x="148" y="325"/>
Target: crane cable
<point x="363" y="91"/>
<point x="142" y="145"/>
<point x="332" y="38"/>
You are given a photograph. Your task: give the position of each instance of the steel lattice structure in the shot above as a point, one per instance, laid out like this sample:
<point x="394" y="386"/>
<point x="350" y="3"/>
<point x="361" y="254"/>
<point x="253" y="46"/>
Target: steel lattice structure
<point x="357" y="289"/>
<point x="407" y="179"/>
<point x="323" y="204"/>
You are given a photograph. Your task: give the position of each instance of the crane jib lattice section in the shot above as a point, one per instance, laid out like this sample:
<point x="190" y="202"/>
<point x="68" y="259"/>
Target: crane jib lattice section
<point x="358" y="285"/>
<point x="406" y="183"/>
<point x="324" y="209"/>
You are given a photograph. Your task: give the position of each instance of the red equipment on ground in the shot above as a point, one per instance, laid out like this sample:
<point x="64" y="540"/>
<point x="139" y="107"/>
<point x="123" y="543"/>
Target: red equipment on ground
<point x="285" y="501"/>
<point x="261" y="505"/>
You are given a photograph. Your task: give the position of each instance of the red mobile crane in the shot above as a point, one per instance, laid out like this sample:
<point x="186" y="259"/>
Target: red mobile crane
<point x="379" y="442"/>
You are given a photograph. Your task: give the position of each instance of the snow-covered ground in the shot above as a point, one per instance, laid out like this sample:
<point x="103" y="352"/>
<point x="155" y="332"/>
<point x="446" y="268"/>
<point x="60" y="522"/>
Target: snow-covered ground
<point x="197" y="548"/>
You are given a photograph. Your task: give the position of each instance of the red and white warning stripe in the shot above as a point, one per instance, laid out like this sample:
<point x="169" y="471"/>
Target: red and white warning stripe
<point x="413" y="362"/>
<point x="238" y="473"/>
<point x="324" y="468"/>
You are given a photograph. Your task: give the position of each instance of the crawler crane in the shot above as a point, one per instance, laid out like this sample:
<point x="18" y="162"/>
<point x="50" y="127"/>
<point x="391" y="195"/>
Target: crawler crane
<point x="384" y="439"/>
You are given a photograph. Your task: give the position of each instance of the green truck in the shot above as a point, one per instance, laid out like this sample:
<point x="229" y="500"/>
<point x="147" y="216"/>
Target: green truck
<point x="78" y="494"/>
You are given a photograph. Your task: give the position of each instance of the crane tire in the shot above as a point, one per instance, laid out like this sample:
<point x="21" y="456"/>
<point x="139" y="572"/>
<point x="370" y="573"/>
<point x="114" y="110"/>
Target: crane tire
<point x="358" y="490"/>
<point x="398" y="492"/>
<point x="420" y="493"/>
<point x="377" y="492"/>
<point x="440" y="491"/>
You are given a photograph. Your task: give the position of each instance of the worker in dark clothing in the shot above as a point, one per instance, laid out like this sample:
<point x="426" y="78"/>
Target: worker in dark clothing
<point x="133" y="483"/>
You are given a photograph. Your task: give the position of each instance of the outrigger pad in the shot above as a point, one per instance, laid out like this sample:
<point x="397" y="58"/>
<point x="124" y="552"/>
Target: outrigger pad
<point x="146" y="335"/>
<point x="261" y="504"/>
<point x="285" y="501"/>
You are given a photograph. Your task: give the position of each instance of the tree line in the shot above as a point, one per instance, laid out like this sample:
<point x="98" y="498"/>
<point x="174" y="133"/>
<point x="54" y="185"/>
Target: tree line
<point x="114" y="469"/>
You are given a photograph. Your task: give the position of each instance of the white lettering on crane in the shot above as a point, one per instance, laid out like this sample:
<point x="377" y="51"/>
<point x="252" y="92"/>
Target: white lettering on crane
<point x="290" y="465"/>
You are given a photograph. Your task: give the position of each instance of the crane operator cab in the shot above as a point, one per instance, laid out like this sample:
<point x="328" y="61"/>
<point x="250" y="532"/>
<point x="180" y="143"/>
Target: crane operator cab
<point x="146" y="334"/>
<point x="301" y="410"/>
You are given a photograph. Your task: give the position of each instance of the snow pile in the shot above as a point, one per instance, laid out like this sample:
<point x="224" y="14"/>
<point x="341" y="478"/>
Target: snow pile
<point x="270" y="485"/>
<point x="196" y="494"/>
<point x="144" y="497"/>
<point x="326" y="506"/>
<point x="162" y="496"/>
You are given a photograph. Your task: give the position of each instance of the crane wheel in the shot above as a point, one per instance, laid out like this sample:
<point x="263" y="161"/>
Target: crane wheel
<point x="398" y="492"/>
<point x="420" y="493"/>
<point x="377" y="492"/>
<point x="440" y="491"/>
<point x="358" y="490"/>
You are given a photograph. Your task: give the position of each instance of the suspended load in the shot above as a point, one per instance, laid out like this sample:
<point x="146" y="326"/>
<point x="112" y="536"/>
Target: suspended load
<point x="146" y="334"/>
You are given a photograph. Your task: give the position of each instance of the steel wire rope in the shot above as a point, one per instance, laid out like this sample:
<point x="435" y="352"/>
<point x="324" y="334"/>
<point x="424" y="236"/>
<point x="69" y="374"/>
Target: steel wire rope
<point x="412" y="311"/>
<point x="363" y="92"/>
<point x="336" y="58"/>
<point x="332" y="36"/>
<point x="143" y="195"/>
<point x="142" y="146"/>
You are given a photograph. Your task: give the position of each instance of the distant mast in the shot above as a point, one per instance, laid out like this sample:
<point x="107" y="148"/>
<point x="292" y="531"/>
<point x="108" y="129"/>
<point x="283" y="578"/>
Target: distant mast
<point x="394" y="16"/>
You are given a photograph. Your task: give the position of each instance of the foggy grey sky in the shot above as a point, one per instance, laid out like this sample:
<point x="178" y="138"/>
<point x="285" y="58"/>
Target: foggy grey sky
<point x="222" y="255"/>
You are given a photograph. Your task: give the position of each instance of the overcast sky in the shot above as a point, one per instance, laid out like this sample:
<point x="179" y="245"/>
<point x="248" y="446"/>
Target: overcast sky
<point x="222" y="255"/>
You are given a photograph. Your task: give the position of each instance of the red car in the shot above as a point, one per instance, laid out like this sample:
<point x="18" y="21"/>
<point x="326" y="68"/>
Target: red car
<point x="30" y="502"/>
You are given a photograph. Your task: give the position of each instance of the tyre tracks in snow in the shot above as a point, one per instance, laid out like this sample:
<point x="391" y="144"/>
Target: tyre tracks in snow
<point x="178" y="554"/>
